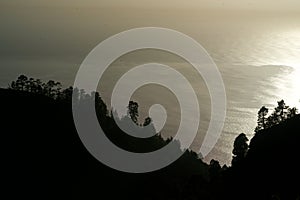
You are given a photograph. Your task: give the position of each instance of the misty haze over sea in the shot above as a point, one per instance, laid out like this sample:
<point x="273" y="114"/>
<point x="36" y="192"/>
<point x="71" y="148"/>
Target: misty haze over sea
<point x="253" y="51"/>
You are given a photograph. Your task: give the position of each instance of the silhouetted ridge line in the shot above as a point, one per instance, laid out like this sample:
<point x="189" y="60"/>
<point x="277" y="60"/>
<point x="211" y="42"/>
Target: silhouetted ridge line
<point x="45" y="157"/>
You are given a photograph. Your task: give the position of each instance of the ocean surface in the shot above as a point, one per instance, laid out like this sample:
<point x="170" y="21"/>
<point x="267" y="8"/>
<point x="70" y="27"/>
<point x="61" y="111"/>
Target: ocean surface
<point x="258" y="58"/>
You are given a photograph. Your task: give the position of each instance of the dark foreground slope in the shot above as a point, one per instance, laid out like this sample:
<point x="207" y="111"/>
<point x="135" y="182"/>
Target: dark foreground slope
<point x="44" y="156"/>
<point x="274" y="157"/>
<point x="271" y="169"/>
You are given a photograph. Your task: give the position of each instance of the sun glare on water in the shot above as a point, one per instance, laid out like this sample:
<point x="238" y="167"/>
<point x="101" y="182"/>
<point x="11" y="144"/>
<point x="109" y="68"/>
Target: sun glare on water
<point x="288" y="54"/>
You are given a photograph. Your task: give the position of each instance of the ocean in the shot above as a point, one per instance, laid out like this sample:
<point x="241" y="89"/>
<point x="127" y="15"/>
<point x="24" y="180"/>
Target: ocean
<point x="257" y="54"/>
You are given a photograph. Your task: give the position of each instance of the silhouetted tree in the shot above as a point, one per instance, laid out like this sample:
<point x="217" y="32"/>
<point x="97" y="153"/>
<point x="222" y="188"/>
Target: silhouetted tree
<point x="147" y="121"/>
<point x="281" y="110"/>
<point x="29" y="86"/>
<point x="214" y="169"/>
<point x="240" y="149"/>
<point x="13" y="85"/>
<point x="25" y="84"/>
<point x="292" y="112"/>
<point x="38" y="86"/>
<point x="52" y="88"/>
<point x="67" y="93"/>
<point x="261" y="121"/>
<point x="280" y="114"/>
<point x="21" y="82"/>
<point x="101" y="107"/>
<point x="272" y="120"/>
<point x="133" y="111"/>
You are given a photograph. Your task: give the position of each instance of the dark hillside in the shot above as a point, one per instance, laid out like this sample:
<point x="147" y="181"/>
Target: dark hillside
<point x="271" y="167"/>
<point x="44" y="155"/>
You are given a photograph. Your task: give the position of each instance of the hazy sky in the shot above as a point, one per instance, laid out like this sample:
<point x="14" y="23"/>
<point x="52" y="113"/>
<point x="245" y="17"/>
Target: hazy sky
<point x="40" y="33"/>
<point x="35" y="27"/>
<point x="227" y="4"/>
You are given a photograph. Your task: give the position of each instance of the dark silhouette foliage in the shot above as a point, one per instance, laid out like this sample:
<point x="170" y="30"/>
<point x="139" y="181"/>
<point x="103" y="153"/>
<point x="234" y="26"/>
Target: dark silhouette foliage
<point x="133" y="111"/>
<point x="240" y="148"/>
<point x="261" y="121"/>
<point x="44" y="157"/>
<point x="281" y="113"/>
<point x="52" y="161"/>
<point x="147" y="121"/>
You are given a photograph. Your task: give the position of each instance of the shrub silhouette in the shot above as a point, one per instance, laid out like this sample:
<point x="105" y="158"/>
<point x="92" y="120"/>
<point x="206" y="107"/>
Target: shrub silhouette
<point x="240" y="148"/>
